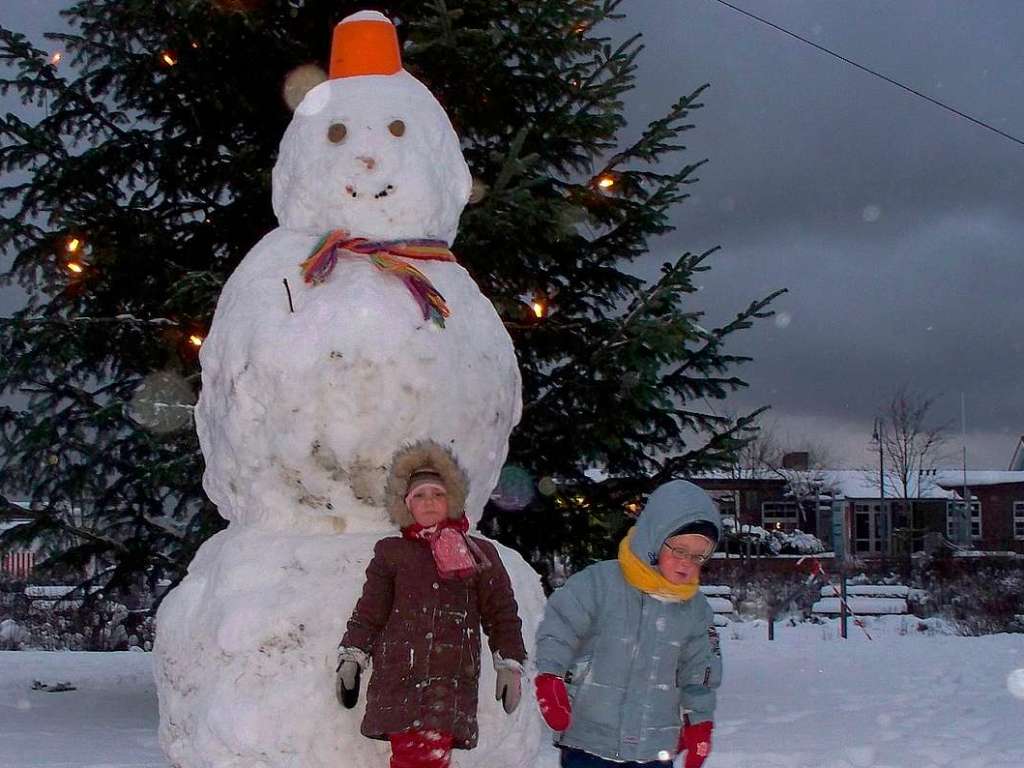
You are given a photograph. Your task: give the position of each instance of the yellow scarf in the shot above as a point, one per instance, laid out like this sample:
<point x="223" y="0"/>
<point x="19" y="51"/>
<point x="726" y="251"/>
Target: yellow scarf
<point x="648" y="579"/>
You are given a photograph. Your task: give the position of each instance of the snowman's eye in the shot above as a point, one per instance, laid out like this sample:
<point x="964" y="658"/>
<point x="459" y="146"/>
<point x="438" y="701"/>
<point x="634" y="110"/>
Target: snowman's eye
<point x="397" y="127"/>
<point x="336" y="133"/>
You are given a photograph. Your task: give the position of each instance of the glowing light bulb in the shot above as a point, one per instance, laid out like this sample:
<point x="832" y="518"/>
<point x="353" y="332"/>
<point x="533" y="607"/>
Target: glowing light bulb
<point x="606" y="182"/>
<point x="195" y="340"/>
<point x="538" y="308"/>
<point x="75" y="267"/>
<point x="73" y="245"/>
<point x="168" y="58"/>
<point x="57" y="56"/>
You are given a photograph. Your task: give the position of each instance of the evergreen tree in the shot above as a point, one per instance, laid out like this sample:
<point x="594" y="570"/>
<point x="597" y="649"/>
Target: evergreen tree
<point x="148" y="179"/>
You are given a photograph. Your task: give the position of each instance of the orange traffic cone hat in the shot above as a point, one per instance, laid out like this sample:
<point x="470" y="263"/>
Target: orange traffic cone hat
<point x="364" y="43"/>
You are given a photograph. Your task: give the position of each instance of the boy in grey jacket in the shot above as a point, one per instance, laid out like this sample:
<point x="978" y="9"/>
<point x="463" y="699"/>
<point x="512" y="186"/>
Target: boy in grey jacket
<point x="627" y="653"/>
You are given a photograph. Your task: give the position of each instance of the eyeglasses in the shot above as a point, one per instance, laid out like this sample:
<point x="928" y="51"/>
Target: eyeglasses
<point x="690" y="557"/>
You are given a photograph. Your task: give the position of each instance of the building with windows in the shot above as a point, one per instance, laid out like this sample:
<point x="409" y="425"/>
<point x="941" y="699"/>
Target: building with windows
<point x="924" y="515"/>
<point x="997" y="507"/>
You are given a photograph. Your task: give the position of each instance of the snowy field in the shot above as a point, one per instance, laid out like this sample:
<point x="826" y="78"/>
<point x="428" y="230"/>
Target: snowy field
<point x="808" y="700"/>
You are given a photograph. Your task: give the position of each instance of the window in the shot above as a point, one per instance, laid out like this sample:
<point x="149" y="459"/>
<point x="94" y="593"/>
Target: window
<point x="951" y="519"/>
<point x="1018" y="519"/>
<point x="726" y="501"/>
<point x="780" y="515"/>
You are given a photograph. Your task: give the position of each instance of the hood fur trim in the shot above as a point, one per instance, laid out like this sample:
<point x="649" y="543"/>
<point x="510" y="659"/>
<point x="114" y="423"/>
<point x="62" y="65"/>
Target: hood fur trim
<point x="420" y="455"/>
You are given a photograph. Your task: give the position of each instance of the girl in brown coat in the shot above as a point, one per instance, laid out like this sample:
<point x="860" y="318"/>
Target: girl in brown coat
<point x="426" y="596"/>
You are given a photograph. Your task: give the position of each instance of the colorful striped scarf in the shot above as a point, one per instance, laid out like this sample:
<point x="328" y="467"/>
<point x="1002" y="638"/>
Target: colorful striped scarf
<point x="387" y="256"/>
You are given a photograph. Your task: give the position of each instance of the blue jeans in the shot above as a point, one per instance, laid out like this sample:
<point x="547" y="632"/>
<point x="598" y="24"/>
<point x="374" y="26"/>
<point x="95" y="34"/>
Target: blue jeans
<point x="577" y="758"/>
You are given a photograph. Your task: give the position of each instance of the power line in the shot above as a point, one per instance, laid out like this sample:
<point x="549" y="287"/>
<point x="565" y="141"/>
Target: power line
<point x="879" y="75"/>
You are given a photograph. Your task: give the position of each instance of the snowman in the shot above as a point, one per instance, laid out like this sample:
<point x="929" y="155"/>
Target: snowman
<point x="345" y="334"/>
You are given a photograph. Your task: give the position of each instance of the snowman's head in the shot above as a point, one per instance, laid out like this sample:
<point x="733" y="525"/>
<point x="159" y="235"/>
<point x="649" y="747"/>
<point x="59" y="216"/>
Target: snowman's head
<point x="370" y="150"/>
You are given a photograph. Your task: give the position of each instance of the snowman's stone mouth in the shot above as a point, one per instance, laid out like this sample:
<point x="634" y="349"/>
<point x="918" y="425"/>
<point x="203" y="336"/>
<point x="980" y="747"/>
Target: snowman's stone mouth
<point x="352" y="192"/>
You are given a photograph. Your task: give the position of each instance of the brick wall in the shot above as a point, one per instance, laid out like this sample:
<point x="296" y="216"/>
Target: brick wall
<point x="997" y="516"/>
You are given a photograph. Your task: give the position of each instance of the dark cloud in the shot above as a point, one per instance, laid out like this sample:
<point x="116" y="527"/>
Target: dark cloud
<point x="895" y="225"/>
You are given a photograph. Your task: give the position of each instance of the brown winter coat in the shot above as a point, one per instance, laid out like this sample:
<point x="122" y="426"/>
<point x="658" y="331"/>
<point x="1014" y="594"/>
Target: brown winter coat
<point x="423" y="635"/>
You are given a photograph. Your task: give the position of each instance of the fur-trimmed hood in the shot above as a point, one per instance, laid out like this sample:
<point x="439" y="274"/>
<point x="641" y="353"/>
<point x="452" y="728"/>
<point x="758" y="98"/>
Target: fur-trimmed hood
<point x="422" y="455"/>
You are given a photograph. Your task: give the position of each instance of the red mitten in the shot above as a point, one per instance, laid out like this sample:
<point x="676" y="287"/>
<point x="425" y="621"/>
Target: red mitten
<point x="696" y="740"/>
<point x="553" y="699"/>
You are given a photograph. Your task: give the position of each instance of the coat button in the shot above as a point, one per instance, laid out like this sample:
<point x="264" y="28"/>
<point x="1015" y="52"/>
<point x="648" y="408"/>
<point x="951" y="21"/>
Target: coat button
<point x="429" y="635"/>
<point x="434" y="585"/>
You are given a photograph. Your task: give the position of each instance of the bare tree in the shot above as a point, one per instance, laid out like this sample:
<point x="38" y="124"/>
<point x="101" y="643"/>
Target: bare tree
<point x="758" y="456"/>
<point x="913" y="442"/>
<point x="807" y="479"/>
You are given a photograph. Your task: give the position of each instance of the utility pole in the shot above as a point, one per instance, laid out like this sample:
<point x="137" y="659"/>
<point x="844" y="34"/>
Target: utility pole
<point x="965" y="518"/>
<point x="880" y="436"/>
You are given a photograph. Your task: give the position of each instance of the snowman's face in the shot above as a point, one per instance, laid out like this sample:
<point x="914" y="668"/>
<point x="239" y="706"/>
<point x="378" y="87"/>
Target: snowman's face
<point x="375" y="156"/>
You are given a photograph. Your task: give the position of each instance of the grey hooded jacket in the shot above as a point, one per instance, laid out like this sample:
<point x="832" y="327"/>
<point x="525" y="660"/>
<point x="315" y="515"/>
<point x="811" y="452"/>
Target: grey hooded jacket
<point x="634" y="664"/>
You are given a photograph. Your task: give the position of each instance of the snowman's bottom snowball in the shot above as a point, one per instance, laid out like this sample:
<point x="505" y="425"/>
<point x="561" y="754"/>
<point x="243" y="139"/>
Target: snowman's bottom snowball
<point x="245" y="659"/>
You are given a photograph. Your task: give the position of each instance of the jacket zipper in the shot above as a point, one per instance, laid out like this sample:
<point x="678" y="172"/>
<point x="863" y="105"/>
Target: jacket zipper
<point x="632" y="664"/>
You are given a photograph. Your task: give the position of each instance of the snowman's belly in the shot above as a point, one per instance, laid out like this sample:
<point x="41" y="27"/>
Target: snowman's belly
<point x="297" y="402"/>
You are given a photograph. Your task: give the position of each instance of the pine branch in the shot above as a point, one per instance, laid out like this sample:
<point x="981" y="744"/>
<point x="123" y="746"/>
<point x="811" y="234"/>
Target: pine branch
<point x="69" y="322"/>
<point x="703" y="359"/>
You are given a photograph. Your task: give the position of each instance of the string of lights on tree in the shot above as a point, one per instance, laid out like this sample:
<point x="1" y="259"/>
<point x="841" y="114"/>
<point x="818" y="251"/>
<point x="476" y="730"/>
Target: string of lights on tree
<point x="296" y="84"/>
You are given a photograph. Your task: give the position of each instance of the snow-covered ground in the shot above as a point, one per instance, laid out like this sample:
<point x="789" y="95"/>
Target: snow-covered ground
<point x="109" y="721"/>
<point x="907" y="699"/>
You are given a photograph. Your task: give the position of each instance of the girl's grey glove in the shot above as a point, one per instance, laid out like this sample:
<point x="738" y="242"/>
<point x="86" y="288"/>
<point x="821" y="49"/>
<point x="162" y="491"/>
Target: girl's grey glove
<point x="346" y="686"/>
<point x="351" y="662"/>
<point x="509" y="689"/>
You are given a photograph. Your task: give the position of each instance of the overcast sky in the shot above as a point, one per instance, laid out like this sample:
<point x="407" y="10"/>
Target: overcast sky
<point x="896" y="226"/>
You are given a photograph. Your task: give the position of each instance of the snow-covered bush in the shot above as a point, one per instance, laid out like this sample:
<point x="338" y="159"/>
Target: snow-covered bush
<point x="30" y="622"/>
<point x="12" y="635"/>
<point x="754" y="537"/>
<point x="976" y="595"/>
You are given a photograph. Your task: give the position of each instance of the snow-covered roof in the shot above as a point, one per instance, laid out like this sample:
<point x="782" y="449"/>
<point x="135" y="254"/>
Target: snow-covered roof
<point x="742" y="473"/>
<point x="841" y="483"/>
<point x="954" y="478"/>
<point x="12" y="508"/>
<point x="862" y="483"/>
<point x="599" y="475"/>
<point x="10" y="519"/>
